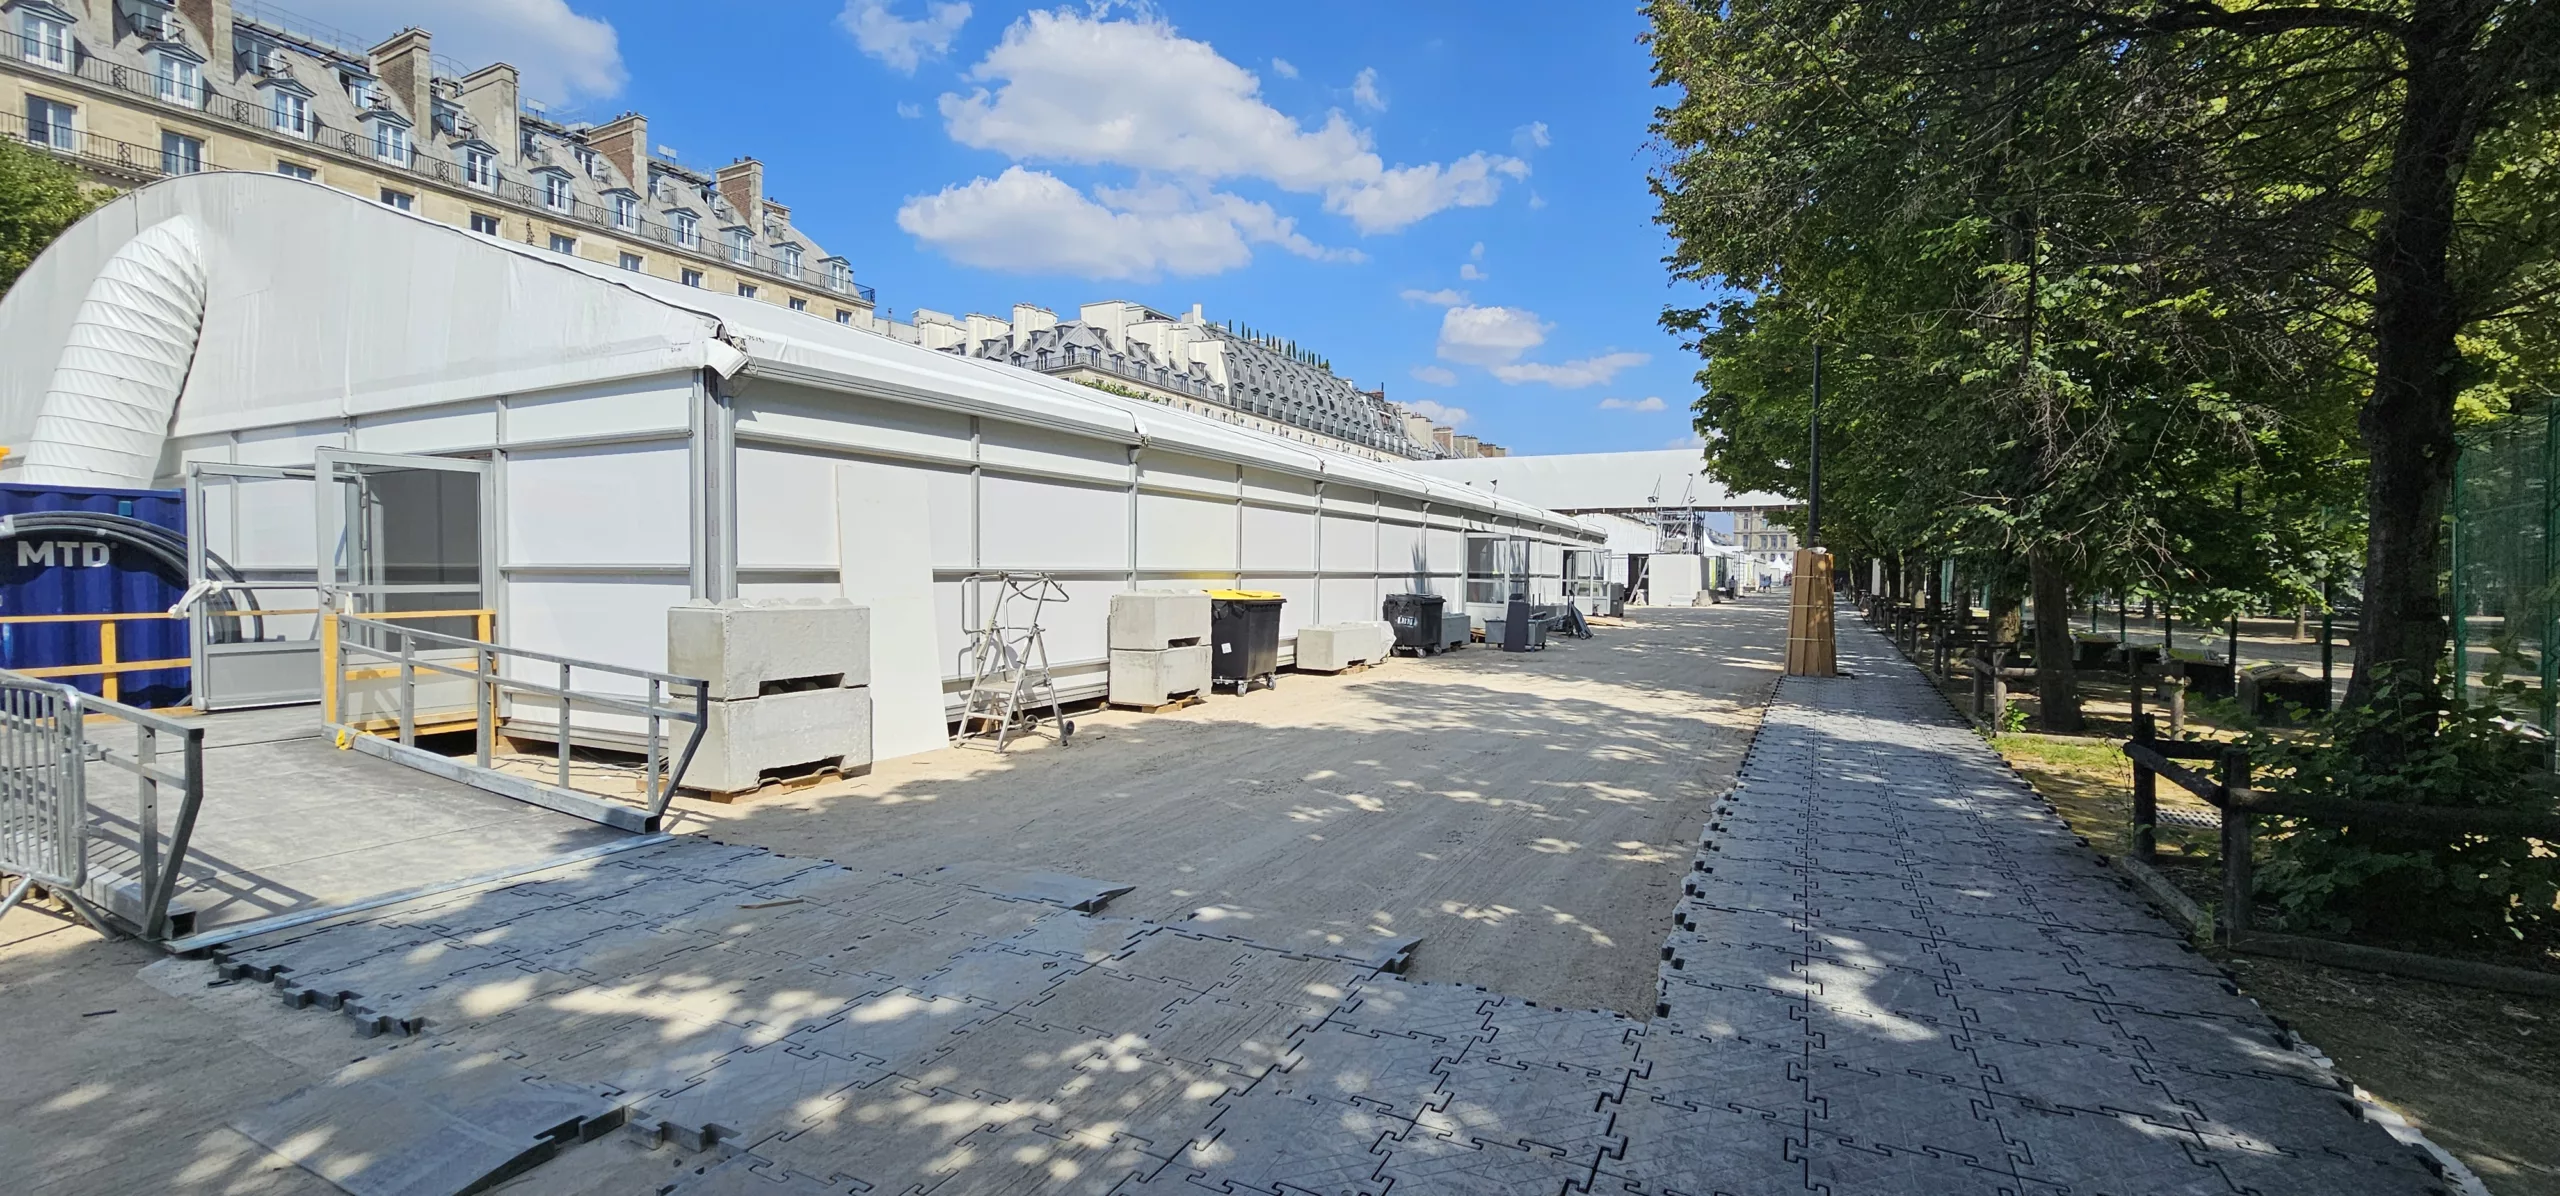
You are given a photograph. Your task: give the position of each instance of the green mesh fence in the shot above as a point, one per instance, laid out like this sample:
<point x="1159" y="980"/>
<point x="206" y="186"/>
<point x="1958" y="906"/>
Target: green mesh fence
<point x="2506" y="526"/>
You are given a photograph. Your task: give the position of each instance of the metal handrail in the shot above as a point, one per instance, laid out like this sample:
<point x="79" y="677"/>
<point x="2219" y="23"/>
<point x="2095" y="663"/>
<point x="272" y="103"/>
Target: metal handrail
<point x="161" y="864"/>
<point x="489" y="681"/>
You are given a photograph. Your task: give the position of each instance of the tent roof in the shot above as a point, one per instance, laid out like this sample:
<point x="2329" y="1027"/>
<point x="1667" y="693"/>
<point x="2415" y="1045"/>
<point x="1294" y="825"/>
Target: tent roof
<point x="322" y="305"/>
<point x="1658" y="478"/>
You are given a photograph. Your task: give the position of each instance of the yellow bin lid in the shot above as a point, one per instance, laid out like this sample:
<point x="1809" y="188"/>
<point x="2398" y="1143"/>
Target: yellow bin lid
<point x="1248" y="596"/>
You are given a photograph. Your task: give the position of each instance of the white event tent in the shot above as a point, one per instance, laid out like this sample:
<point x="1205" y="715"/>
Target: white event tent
<point x="639" y="443"/>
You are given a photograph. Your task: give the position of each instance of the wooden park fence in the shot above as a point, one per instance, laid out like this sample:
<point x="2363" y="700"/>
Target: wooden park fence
<point x="2221" y="775"/>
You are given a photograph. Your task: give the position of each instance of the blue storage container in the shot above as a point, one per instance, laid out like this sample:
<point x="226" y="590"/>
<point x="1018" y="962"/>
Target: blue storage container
<point x="67" y="573"/>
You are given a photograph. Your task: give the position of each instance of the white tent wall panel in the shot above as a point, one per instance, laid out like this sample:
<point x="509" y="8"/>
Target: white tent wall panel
<point x="1262" y="485"/>
<point x="454" y="429"/>
<point x="600" y="506"/>
<point x="1345" y="600"/>
<point x="951" y="499"/>
<point x="287" y="445"/>
<point x="1059" y="527"/>
<point x="785" y="412"/>
<point x="1403" y="559"/>
<point x="1279" y="540"/>
<point x="1179" y="534"/>
<point x="612" y="620"/>
<point x="1164" y="472"/>
<point x="1350" y="545"/>
<point x="662" y="404"/>
<point x="1039" y="451"/>
<point x="786" y="511"/>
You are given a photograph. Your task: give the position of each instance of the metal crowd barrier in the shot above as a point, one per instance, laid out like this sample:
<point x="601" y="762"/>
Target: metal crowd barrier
<point x="668" y="698"/>
<point x="49" y="735"/>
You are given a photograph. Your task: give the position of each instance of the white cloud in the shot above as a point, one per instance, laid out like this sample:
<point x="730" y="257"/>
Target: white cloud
<point x="897" y="41"/>
<point x="1434" y="375"/>
<point x="1690" y="441"/>
<point x="1440" y="298"/>
<point x="1284" y="68"/>
<point x="1536" y="201"/>
<point x="908" y="111"/>
<point x="1489" y="336"/>
<point x="1364" y="90"/>
<point x="1452" y="416"/>
<point x="1467" y="272"/>
<point x="564" y="56"/>
<point x="1079" y="88"/>
<point x="1032" y="222"/>
<point x="1572" y="375"/>
<point x="1648" y="403"/>
<point x="1531" y="136"/>
<point x="1477" y="252"/>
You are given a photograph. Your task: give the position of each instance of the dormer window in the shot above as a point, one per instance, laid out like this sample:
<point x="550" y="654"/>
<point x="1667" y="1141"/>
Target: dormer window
<point x="589" y="163"/>
<point x="46" y="36"/>
<point x="839" y="275"/>
<point x="480" y="166"/>
<point x="292" y="113"/>
<point x="742" y="245"/>
<point x="390" y="139"/>
<point x="688" y="229"/>
<point x="363" y="91"/>
<point x="179" y="79"/>
<point x="556" y="191"/>
<point x="626" y="211"/>
<point x="791" y="261"/>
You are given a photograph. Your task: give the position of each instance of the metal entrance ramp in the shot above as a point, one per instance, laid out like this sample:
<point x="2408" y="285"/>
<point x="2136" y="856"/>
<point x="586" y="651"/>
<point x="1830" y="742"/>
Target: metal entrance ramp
<point x="292" y="825"/>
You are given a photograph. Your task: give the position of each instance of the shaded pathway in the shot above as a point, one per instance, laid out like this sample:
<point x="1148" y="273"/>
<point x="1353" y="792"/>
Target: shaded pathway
<point x="1900" y="972"/>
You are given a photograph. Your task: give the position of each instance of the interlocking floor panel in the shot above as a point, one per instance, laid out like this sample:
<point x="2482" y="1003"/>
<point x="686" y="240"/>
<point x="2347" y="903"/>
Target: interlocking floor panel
<point x="1895" y="971"/>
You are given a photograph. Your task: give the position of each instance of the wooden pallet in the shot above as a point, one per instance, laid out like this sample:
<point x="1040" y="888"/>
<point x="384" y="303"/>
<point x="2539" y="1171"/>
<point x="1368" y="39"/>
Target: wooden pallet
<point x="1357" y="666"/>
<point x="790" y="784"/>
<point x="1168" y="706"/>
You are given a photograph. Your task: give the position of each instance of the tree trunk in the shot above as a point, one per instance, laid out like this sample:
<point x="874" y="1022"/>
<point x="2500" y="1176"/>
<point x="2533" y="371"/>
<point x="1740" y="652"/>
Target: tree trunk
<point x="2407" y="421"/>
<point x="2005" y="621"/>
<point x="2057" y="688"/>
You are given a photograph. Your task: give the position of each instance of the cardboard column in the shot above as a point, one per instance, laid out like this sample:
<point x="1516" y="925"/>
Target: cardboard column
<point x="1811" y="644"/>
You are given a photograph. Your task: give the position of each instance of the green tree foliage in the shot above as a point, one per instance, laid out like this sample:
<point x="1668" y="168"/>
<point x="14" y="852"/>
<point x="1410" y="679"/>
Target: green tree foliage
<point x="2118" y="292"/>
<point x="39" y="197"/>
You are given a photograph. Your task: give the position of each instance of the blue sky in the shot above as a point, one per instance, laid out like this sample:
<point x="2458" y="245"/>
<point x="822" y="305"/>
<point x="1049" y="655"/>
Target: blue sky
<point x="1446" y="198"/>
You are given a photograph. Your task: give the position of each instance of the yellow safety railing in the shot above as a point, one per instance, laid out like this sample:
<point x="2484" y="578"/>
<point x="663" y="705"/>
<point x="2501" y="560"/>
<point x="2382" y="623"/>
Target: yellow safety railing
<point x="334" y="675"/>
<point x="110" y="667"/>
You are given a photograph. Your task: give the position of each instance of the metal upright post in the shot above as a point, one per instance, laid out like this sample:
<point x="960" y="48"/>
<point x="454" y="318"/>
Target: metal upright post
<point x="146" y="752"/>
<point x="2146" y="794"/>
<point x="408" y="689"/>
<point x="652" y="773"/>
<point x="564" y="726"/>
<point x="1813" y="463"/>
<point x="484" y="664"/>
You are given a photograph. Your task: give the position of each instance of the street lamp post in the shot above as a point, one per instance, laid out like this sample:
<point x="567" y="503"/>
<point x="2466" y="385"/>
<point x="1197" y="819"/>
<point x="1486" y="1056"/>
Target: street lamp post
<point x="1813" y="466"/>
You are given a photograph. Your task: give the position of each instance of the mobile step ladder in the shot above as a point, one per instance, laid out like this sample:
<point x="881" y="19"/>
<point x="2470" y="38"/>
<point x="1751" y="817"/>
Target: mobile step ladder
<point x="1009" y="680"/>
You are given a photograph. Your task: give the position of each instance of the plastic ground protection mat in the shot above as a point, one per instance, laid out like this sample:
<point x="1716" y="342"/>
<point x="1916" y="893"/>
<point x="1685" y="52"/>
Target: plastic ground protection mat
<point x="796" y="1026"/>
<point x="1896" y="970"/>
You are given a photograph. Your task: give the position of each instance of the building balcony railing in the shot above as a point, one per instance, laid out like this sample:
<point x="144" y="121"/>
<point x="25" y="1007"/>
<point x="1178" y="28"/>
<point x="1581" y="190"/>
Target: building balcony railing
<point x="106" y="155"/>
<point x="360" y="146"/>
<point x="1074" y="357"/>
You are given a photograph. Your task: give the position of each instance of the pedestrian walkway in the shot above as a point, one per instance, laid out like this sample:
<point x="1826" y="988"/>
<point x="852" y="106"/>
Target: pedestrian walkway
<point x="1899" y="971"/>
<point x="1896" y="972"/>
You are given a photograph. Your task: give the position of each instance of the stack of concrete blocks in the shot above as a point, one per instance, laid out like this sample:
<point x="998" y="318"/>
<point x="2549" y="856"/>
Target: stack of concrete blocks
<point x="1334" y="647"/>
<point x="789" y="687"/>
<point x="1159" y="647"/>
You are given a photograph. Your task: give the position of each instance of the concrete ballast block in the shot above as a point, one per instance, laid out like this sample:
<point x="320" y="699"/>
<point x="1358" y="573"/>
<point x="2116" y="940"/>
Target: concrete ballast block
<point x="741" y="646"/>
<point x="741" y="740"/>
<point x="1152" y="677"/>
<point x="1152" y="619"/>
<point x="1333" y="647"/>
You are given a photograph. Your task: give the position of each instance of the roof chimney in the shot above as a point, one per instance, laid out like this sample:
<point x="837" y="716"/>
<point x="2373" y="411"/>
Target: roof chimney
<point x="742" y="184"/>
<point x="403" y="63"/>
<point x="212" y="19"/>
<point x="491" y="93"/>
<point x="624" y="141"/>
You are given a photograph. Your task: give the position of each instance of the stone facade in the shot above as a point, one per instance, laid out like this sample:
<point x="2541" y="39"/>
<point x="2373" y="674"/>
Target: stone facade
<point x="134" y="90"/>
<point x="1217" y="370"/>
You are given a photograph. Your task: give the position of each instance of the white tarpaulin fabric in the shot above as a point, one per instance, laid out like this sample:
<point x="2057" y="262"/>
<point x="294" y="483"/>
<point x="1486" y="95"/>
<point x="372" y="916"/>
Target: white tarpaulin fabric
<point x="1674" y="478"/>
<point x="106" y="411"/>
